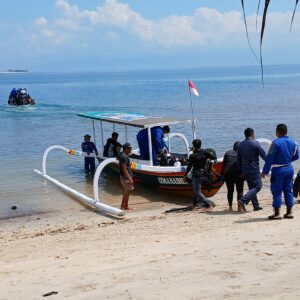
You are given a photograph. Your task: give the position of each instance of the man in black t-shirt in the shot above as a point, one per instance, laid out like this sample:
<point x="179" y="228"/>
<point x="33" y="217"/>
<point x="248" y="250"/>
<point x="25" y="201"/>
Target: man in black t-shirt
<point x="125" y="174"/>
<point x="112" y="147"/>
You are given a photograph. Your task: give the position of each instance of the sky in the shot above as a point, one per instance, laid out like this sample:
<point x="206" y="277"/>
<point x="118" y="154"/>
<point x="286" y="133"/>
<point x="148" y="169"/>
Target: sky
<point x="101" y="35"/>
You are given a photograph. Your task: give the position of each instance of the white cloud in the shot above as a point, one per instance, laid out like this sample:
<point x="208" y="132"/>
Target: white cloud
<point x="47" y="33"/>
<point x="205" y="28"/>
<point x="113" y="36"/>
<point x="41" y="21"/>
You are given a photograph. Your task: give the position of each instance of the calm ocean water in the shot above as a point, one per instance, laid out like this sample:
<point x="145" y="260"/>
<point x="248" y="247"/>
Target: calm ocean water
<point x="231" y="99"/>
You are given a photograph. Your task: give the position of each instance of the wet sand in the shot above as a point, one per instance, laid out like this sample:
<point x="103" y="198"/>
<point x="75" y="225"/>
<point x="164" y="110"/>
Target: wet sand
<point x="81" y="254"/>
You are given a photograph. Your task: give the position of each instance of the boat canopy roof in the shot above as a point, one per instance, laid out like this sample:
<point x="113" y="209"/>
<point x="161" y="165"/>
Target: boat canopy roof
<point x="131" y="119"/>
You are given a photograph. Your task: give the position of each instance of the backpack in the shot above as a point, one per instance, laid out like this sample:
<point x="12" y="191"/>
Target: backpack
<point x="212" y="154"/>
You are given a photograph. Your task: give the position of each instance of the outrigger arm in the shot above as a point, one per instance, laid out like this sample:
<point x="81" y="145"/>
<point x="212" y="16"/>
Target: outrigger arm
<point x="92" y="202"/>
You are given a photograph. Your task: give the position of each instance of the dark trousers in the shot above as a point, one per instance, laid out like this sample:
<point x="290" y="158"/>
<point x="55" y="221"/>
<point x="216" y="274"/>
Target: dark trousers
<point x="199" y="199"/>
<point x="254" y="184"/>
<point x="231" y="180"/>
<point x="89" y="164"/>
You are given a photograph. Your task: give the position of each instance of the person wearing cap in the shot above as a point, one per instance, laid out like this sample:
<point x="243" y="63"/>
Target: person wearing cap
<point x="112" y="147"/>
<point x="89" y="147"/>
<point x="231" y="175"/>
<point x="125" y="175"/>
<point x="197" y="162"/>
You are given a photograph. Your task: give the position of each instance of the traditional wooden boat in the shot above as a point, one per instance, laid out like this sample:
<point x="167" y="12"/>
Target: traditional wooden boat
<point x="168" y="178"/>
<point x="162" y="177"/>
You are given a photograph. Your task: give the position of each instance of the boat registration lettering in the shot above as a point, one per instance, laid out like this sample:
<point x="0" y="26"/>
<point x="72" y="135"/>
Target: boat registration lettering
<point x="171" y="180"/>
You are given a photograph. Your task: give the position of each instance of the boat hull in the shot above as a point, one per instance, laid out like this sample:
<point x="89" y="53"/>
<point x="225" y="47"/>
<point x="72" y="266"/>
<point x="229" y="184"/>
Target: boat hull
<point x="172" y="181"/>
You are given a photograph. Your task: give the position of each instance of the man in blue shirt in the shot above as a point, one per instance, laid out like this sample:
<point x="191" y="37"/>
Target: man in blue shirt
<point x="249" y="152"/>
<point x="89" y="147"/>
<point x="282" y="152"/>
<point x="157" y="135"/>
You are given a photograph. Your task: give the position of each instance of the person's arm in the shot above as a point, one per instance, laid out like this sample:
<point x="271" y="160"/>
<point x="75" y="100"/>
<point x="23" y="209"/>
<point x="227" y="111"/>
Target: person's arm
<point x="105" y="148"/>
<point x="239" y="162"/>
<point x="269" y="160"/>
<point x="189" y="167"/>
<point x="125" y="172"/>
<point x="261" y="152"/>
<point x="95" y="149"/>
<point x="158" y="135"/>
<point x="83" y="150"/>
<point x="117" y="148"/>
<point x="296" y="153"/>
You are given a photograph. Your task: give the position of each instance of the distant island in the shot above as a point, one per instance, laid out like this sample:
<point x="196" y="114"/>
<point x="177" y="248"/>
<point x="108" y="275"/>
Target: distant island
<point x="16" y="71"/>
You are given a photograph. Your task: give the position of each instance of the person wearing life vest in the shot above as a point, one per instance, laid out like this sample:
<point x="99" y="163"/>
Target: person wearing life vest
<point x="12" y="97"/>
<point x="89" y="147"/>
<point x="112" y="147"/>
<point x="282" y="153"/>
<point x="197" y="162"/>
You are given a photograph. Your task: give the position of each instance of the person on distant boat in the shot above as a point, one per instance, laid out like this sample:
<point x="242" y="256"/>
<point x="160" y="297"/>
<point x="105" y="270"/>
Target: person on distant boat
<point x="12" y="97"/>
<point x="13" y="93"/>
<point x="30" y="100"/>
<point x="231" y="175"/>
<point x="89" y="147"/>
<point x="126" y="175"/>
<point x="249" y="152"/>
<point x="197" y="164"/>
<point x="157" y="138"/>
<point x="282" y="153"/>
<point x="112" y="147"/>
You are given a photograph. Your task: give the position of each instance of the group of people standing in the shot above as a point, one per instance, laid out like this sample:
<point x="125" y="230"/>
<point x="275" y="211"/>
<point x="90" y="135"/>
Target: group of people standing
<point x="242" y="164"/>
<point x="239" y="165"/>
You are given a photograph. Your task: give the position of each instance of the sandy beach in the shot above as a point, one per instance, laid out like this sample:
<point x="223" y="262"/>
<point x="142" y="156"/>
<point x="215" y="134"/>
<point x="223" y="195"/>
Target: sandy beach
<point x="152" y="255"/>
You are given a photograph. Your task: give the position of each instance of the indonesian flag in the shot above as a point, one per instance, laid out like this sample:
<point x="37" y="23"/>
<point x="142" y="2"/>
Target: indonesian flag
<point x="193" y="88"/>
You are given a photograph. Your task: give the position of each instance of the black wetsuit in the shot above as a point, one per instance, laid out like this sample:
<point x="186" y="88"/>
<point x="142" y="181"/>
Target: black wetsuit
<point x="231" y="176"/>
<point x="197" y="161"/>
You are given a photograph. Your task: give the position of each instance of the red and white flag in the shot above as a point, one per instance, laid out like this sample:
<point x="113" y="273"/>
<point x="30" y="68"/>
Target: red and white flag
<point x="193" y="88"/>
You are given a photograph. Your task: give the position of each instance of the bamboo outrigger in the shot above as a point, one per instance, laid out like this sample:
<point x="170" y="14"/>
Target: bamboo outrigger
<point x="168" y="178"/>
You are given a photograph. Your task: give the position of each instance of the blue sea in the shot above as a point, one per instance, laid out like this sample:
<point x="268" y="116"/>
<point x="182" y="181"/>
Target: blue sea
<point x="231" y="99"/>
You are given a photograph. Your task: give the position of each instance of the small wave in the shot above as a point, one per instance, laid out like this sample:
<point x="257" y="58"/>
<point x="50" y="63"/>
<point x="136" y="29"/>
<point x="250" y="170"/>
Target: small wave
<point x="19" y="109"/>
<point x="39" y="108"/>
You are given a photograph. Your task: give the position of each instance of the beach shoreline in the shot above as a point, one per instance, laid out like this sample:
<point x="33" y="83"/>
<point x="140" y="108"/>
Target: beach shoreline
<point x="152" y="255"/>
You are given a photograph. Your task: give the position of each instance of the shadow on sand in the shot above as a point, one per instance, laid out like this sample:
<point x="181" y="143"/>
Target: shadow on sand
<point x="254" y="220"/>
<point x="223" y="212"/>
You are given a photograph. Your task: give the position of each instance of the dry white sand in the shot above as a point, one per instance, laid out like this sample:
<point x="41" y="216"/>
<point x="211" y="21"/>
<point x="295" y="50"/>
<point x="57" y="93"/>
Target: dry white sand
<point x="151" y="255"/>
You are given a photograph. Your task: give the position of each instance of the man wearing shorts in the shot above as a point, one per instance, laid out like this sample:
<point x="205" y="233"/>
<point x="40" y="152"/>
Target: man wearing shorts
<point x="125" y="175"/>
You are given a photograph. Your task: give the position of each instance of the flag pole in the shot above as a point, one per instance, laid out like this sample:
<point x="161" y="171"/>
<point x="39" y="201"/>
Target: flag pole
<point x="193" y="118"/>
